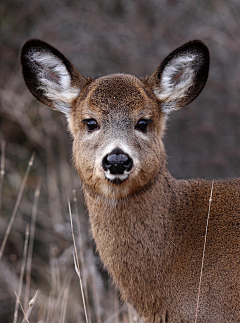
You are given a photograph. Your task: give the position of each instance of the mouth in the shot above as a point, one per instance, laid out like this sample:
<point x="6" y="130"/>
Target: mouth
<point x="116" y="178"/>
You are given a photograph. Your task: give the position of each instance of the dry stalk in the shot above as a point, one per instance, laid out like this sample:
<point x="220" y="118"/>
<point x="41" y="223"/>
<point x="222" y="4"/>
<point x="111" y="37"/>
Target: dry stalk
<point x="52" y="184"/>
<point x="204" y="248"/>
<point x="60" y="293"/>
<point x="116" y="305"/>
<point x="81" y="254"/>
<point x="57" y="300"/>
<point x="21" y="274"/>
<point x="30" y="249"/>
<point x="95" y="292"/>
<point x="2" y="172"/>
<point x="17" y="204"/>
<point x="16" y="106"/>
<point x="64" y="304"/>
<point x="30" y="307"/>
<point x="18" y="300"/>
<point x="50" y="307"/>
<point x="76" y="263"/>
<point x="55" y="271"/>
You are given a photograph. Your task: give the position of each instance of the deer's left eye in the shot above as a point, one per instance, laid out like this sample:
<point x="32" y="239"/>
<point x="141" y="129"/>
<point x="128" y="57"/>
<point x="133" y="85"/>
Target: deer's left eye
<point x="142" y="125"/>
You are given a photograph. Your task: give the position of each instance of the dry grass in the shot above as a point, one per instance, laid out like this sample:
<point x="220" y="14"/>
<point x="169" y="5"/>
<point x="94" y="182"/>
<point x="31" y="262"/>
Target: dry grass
<point x="16" y="205"/>
<point x="61" y="300"/>
<point x="76" y="264"/>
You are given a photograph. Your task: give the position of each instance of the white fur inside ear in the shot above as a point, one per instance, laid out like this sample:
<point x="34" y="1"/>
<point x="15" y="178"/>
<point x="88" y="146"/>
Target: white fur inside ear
<point x="55" y="80"/>
<point x="177" y="77"/>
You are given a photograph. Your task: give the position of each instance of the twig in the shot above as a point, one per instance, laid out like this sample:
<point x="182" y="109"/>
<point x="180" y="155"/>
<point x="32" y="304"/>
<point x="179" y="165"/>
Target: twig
<point x="81" y="254"/>
<point x="54" y="267"/>
<point x="116" y="304"/>
<point x="30" y="249"/>
<point x="50" y="307"/>
<point x="2" y="172"/>
<point x="95" y="292"/>
<point x="21" y="274"/>
<point x="30" y="307"/>
<point x="204" y="247"/>
<point x="63" y="285"/>
<point x="76" y="263"/>
<point x="64" y="305"/>
<point x="21" y="306"/>
<point x="52" y="185"/>
<point x="17" y="204"/>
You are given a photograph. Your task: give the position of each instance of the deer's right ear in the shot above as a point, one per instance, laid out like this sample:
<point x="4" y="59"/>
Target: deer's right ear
<point x="50" y="77"/>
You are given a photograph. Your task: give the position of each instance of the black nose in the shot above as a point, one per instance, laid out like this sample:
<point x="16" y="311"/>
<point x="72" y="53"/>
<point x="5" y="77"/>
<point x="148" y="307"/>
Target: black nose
<point x="117" y="162"/>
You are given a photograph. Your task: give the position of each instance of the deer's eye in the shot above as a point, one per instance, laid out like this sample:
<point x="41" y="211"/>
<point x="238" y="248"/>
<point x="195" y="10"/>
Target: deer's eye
<point x="142" y="125"/>
<point x="91" y="124"/>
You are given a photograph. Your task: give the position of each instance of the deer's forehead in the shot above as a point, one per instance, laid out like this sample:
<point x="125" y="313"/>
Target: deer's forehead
<point x="117" y="93"/>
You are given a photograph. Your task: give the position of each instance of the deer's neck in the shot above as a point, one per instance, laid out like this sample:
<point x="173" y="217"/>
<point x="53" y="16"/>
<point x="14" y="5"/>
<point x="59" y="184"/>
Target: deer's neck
<point x="135" y="234"/>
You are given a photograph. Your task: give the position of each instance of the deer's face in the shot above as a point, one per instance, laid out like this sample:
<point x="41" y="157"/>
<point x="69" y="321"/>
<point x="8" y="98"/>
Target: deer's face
<point x="117" y="126"/>
<point x="117" y="121"/>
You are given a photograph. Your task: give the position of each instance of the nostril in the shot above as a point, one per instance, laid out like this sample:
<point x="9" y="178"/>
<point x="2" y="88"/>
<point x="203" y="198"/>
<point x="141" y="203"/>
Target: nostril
<point x="117" y="162"/>
<point x="106" y="164"/>
<point x="129" y="164"/>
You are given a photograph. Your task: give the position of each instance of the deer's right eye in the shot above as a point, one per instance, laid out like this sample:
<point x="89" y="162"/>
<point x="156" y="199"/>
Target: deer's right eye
<point x="91" y="124"/>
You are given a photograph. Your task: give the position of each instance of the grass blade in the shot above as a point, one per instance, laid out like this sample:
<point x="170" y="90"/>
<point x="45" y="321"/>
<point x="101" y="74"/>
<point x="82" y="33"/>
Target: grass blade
<point x="21" y="274"/>
<point x="30" y="249"/>
<point x="17" y="204"/>
<point x="2" y="172"/>
<point x="30" y="307"/>
<point x="76" y="262"/>
<point x="204" y="248"/>
<point x="80" y="243"/>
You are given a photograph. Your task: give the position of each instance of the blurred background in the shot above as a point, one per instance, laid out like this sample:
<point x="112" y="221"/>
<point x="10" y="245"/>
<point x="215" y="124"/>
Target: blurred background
<point x="99" y="37"/>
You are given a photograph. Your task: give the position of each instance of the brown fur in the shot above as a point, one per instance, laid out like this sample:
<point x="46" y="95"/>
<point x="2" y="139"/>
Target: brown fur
<point x="149" y="230"/>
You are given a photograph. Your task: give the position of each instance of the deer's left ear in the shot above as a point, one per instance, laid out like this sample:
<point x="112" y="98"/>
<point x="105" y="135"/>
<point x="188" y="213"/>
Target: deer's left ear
<point x="181" y="76"/>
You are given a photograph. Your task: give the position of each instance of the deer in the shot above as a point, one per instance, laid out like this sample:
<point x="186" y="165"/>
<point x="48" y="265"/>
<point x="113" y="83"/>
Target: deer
<point x="148" y="227"/>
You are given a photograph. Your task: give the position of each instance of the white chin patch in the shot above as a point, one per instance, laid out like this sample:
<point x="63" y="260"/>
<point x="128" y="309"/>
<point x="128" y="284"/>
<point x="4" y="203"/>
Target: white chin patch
<point x="117" y="179"/>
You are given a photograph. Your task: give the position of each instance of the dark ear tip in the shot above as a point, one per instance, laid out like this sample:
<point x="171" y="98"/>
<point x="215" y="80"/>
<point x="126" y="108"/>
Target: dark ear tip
<point x="195" y="42"/>
<point x="33" y="44"/>
<point x="195" y="47"/>
<point x="197" y="55"/>
<point x="199" y="44"/>
<point x="37" y="45"/>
